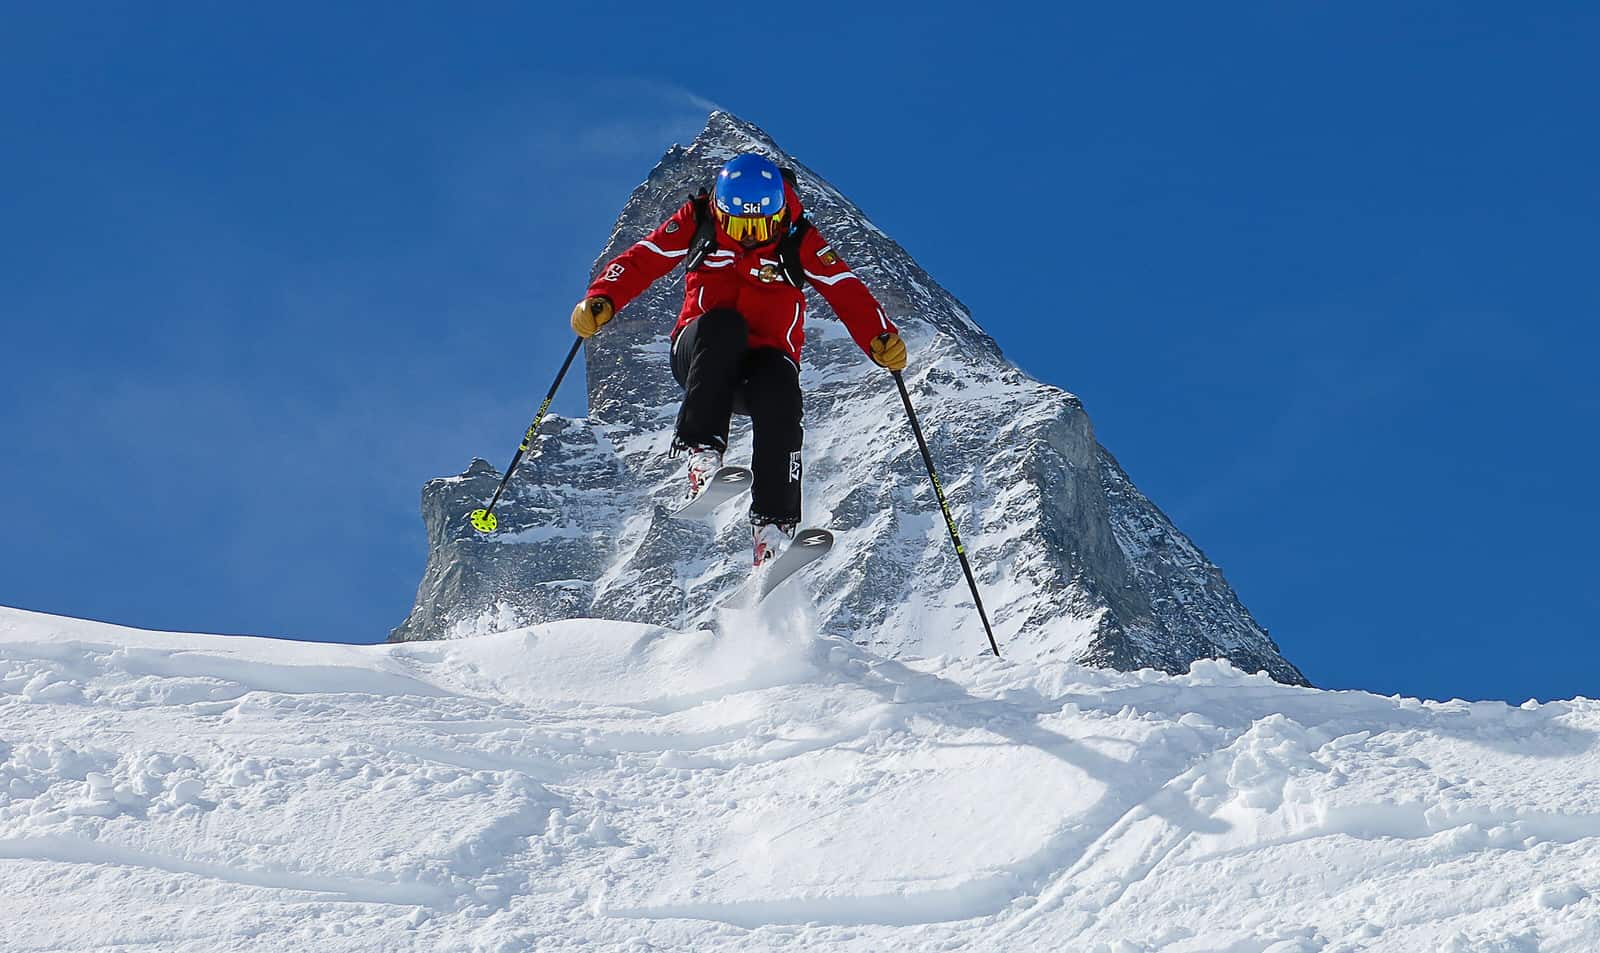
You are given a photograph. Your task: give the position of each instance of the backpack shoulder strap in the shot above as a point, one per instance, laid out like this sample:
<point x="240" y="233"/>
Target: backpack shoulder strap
<point x="789" y="245"/>
<point x="705" y="231"/>
<point x="789" y="252"/>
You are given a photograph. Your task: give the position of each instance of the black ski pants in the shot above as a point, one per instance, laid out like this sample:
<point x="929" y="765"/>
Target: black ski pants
<point x="722" y="375"/>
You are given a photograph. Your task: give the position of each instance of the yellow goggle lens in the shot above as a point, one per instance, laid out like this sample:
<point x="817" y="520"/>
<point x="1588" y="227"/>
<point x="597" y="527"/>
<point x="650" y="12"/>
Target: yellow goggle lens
<point x="759" y="228"/>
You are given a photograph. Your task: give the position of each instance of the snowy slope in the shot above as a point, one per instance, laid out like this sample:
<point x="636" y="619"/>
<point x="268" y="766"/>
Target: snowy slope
<point x="1074" y="560"/>
<point x="613" y="786"/>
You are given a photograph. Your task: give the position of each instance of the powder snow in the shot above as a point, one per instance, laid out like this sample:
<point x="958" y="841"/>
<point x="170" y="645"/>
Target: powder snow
<point x="611" y="786"/>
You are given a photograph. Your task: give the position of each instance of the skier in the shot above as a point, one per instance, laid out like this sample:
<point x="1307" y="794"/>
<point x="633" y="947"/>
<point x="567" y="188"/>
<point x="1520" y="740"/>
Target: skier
<point x="748" y="252"/>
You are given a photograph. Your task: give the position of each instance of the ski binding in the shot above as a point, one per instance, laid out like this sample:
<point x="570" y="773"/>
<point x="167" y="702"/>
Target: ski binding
<point x="724" y="485"/>
<point x="807" y="546"/>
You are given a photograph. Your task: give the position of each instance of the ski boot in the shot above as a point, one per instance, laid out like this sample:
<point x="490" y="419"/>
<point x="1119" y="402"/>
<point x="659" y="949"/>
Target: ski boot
<point x="704" y="462"/>
<point x="768" y="540"/>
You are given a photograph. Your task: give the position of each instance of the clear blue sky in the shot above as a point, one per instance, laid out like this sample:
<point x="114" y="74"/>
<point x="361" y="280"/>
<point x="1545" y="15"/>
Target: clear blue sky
<point x="1324" y="275"/>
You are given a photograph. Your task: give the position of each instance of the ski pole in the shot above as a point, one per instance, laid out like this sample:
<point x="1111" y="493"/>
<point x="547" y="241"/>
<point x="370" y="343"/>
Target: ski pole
<point x="949" y="521"/>
<point x="483" y="520"/>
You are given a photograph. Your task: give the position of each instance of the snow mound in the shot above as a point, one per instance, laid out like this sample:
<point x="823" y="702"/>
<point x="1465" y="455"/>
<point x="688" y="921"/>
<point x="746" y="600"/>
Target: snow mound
<point x="605" y="785"/>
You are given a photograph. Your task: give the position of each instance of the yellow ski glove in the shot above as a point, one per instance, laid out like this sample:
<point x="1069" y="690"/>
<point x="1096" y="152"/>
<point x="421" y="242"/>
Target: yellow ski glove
<point x="590" y="315"/>
<point x="889" y="351"/>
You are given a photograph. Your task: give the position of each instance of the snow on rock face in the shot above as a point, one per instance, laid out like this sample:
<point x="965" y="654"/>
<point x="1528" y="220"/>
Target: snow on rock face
<point x="1073" y="560"/>
<point x="606" y="785"/>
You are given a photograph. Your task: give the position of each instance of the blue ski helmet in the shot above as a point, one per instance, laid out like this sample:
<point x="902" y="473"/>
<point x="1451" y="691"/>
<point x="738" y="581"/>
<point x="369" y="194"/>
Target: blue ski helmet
<point x="750" y="200"/>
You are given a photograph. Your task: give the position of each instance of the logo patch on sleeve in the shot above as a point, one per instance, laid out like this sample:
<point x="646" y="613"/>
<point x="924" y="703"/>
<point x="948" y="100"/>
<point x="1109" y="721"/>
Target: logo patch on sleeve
<point x="827" y="256"/>
<point x="672" y="226"/>
<point x="614" y="272"/>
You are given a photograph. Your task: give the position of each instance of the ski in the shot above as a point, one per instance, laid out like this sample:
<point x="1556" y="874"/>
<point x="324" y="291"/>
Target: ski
<point x="723" y="486"/>
<point x="808" y="546"/>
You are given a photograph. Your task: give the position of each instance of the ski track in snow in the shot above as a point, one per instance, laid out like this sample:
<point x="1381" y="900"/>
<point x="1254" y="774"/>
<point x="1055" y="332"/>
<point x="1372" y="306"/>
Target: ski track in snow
<point x="602" y="785"/>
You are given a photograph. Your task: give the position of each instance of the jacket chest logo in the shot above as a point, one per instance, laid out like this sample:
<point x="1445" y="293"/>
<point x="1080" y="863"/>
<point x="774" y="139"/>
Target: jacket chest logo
<point x="767" y="273"/>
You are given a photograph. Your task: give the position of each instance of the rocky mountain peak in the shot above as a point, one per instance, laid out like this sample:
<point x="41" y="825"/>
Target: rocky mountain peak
<point x="1073" y="559"/>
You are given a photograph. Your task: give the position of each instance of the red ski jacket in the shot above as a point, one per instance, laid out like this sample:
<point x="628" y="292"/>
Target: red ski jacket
<point x="751" y="281"/>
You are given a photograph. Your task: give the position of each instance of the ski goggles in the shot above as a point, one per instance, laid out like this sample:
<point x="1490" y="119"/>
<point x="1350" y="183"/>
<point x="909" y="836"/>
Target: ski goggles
<point x="751" y="228"/>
